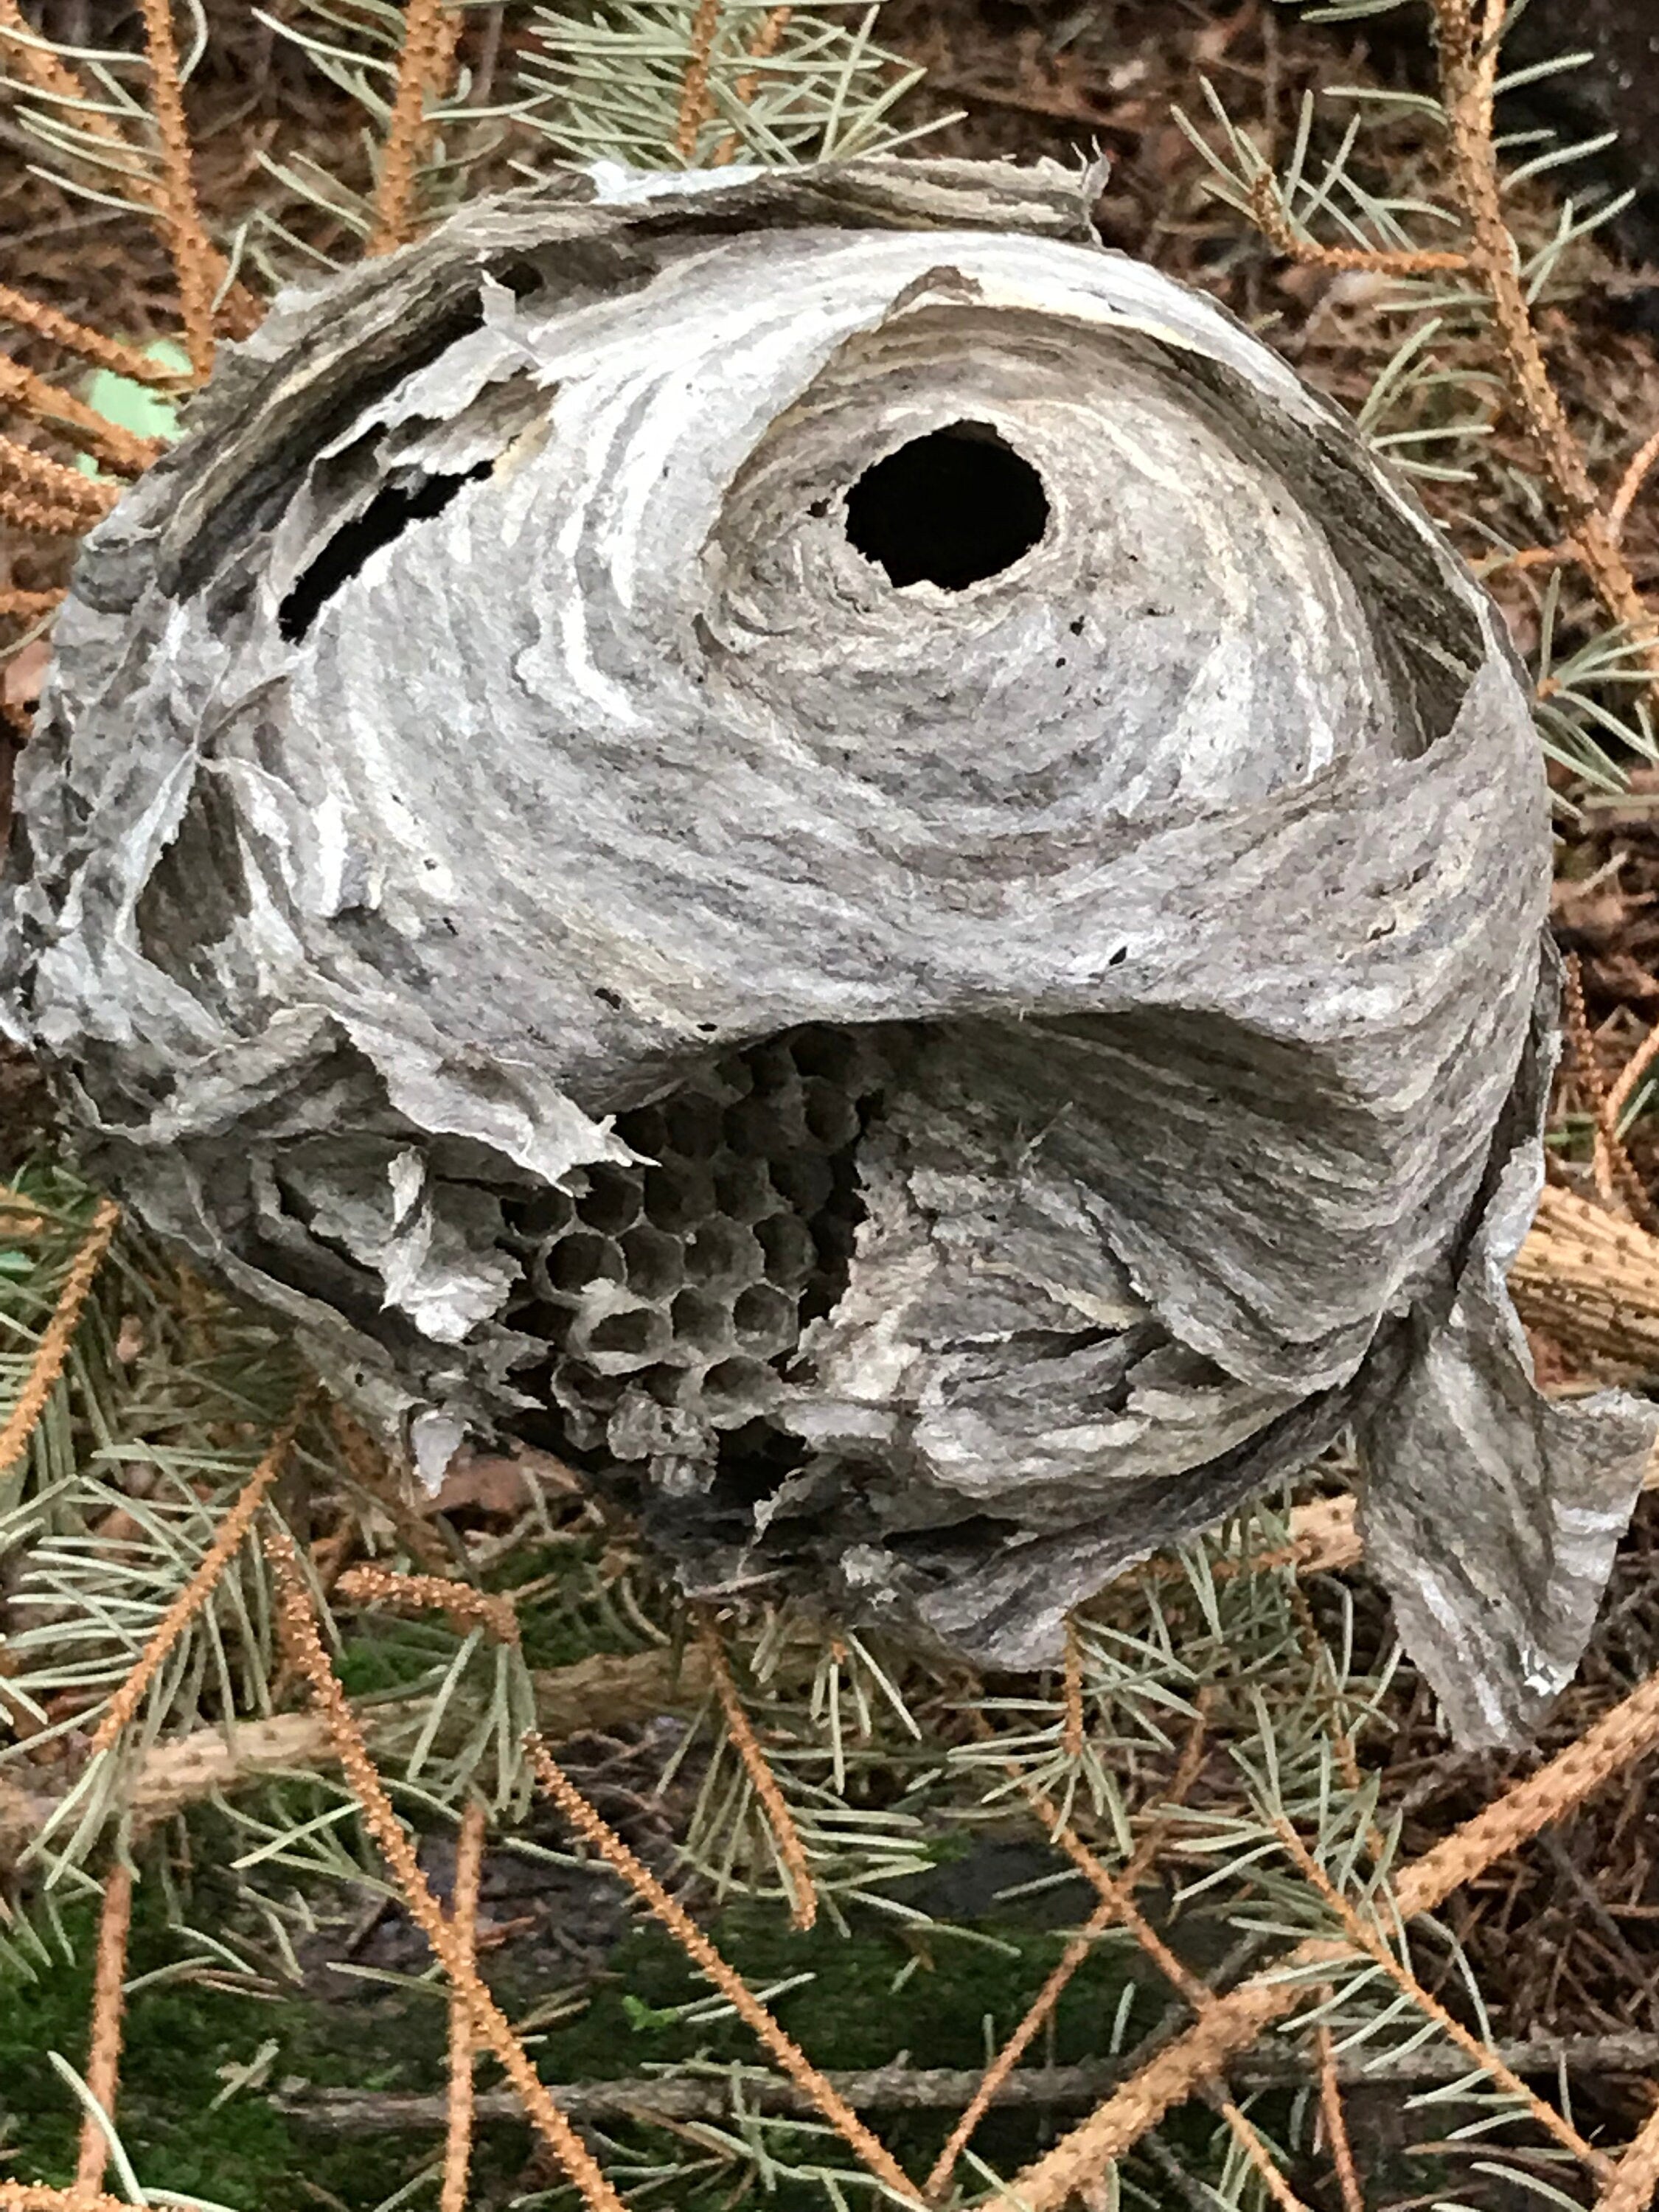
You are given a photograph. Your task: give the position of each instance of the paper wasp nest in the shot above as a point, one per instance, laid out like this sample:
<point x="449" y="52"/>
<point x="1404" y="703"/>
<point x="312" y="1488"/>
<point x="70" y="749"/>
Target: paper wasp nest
<point x="813" y="842"/>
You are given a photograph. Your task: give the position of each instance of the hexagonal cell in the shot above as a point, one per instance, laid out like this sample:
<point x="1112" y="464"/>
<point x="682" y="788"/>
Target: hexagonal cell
<point x="803" y="1180"/>
<point x="736" y="1390"/>
<point x="701" y="1323"/>
<point x="656" y="1262"/>
<point x="722" y="1254"/>
<point x="834" y="1054"/>
<point x="691" y="1125"/>
<point x="536" y="1317"/>
<point x="742" y="1189"/>
<point x="677" y="1194"/>
<point x="786" y="1242"/>
<point x="613" y="1198"/>
<point x="773" y="1066"/>
<point x="623" y="1341"/>
<point x="763" y="1318"/>
<point x="548" y="1214"/>
<point x="579" y="1259"/>
<point x="831" y="1114"/>
<point x="642" y="1128"/>
<point x="753" y="1129"/>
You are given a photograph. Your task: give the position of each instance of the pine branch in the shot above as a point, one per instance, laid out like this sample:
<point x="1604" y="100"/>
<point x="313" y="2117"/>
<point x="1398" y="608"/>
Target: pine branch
<point x="1234" y="2022"/>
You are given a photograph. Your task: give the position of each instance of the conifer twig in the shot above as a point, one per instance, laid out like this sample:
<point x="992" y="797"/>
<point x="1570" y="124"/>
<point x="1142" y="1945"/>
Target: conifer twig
<point x="1636" y="2183"/>
<point x="194" y="264"/>
<point x="1630" y="1075"/>
<point x="53" y="1346"/>
<point x="431" y="29"/>
<point x="804" y="1896"/>
<point x="1469" y="61"/>
<point x="41" y="2196"/>
<point x="1616" y="1175"/>
<point x="1233" y="2023"/>
<point x="593" y="1829"/>
<point x="1336" y="2123"/>
<point x="1261" y="2158"/>
<point x="1103" y="1916"/>
<point x="79" y="338"/>
<point x="1631" y="483"/>
<point x="1072" y="1694"/>
<point x="227" y="1540"/>
<point x="457" y="2138"/>
<point x="31" y="476"/>
<point x="50" y="404"/>
<point x="297" y="1620"/>
<point x="1198" y="1994"/>
<point x="694" y="86"/>
<point x="1479" y="2052"/>
<point x="104" y="2057"/>
<point x="1272" y="218"/>
<point x="463" y="1602"/>
<point x="761" y="47"/>
<point x="29" y="606"/>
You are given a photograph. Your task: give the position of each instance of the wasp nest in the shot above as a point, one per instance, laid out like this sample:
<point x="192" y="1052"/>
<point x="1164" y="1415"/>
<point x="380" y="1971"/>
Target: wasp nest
<point x="803" y="837"/>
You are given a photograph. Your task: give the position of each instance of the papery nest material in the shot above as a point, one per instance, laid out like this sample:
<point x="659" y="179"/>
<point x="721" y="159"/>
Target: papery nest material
<point x="800" y="836"/>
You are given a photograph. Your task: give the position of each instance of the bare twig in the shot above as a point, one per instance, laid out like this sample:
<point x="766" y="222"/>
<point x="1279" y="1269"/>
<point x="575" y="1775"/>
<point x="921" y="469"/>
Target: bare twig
<point x="458" y="2144"/>
<point x="53" y="1346"/>
<point x="804" y="1896"/>
<point x="593" y="1830"/>
<point x="905" y="2089"/>
<point x="227" y="1540"/>
<point x="298" y="1622"/>
<point x="430" y="30"/>
<point x="104" y="2057"/>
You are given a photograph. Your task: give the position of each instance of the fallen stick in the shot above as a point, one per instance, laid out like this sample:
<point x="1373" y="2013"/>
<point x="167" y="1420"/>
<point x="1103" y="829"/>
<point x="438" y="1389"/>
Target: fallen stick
<point x="355" y="2112"/>
<point x="603" y="1691"/>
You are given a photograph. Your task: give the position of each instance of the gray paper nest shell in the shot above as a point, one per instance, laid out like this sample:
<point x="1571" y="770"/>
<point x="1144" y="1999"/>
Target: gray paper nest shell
<point x="936" y="1091"/>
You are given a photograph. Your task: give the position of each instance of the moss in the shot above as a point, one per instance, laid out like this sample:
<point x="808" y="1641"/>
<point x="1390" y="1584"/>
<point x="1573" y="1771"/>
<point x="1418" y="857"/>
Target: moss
<point x="178" y="2035"/>
<point x="247" y="2155"/>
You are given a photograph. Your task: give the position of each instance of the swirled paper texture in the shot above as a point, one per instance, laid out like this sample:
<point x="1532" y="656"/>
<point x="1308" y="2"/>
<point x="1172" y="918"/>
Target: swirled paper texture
<point x="934" y="1083"/>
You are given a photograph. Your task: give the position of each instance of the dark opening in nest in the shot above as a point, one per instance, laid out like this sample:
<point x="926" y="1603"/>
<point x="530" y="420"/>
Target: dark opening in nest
<point x="951" y="509"/>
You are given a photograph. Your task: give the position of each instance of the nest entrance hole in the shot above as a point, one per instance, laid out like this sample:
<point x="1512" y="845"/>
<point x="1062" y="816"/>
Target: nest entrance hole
<point x="950" y="509"/>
